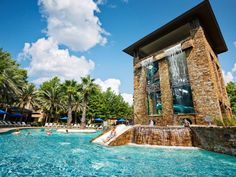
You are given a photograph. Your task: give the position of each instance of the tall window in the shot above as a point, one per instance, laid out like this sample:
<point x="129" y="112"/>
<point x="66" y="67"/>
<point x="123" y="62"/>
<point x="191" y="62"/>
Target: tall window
<point x="153" y="89"/>
<point x="181" y="90"/>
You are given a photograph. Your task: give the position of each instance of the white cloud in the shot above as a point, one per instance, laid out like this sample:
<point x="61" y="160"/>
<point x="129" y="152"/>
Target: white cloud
<point x="101" y="2"/>
<point x="128" y="98"/>
<point x="74" y="23"/>
<point x="114" y="84"/>
<point x="48" y="60"/>
<point x="234" y="68"/>
<point x="228" y="77"/>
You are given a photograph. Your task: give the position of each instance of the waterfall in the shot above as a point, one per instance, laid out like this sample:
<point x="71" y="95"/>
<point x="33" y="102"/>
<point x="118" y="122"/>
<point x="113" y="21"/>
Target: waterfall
<point x="163" y="136"/>
<point x="182" y="96"/>
<point x="177" y="65"/>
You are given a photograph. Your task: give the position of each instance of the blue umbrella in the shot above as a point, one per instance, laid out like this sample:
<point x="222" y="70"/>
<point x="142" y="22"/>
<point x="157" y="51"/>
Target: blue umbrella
<point x="2" y="112"/>
<point x="16" y="115"/>
<point x="64" y="118"/>
<point x="98" y="120"/>
<point x="121" y="120"/>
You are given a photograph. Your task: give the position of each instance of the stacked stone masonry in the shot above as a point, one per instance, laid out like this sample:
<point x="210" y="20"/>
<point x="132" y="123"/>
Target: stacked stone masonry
<point x="206" y="80"/>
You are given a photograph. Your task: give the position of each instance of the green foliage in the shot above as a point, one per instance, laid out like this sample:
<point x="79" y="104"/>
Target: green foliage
<point x="12" y="78"/>
<point x="50" y="98"/>
<point x="69" y="89"/>
<point x="226" y="121"/>
<point x="108" y="105"/>
<point x="55" y="98"/>
<point x="231" y="89"/>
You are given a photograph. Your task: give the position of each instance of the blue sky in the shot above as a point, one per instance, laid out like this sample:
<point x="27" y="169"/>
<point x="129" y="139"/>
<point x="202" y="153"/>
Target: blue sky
<point x="74" y="38"/>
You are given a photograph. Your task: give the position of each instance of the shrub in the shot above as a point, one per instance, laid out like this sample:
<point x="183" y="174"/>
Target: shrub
<point x="226" y="121"/>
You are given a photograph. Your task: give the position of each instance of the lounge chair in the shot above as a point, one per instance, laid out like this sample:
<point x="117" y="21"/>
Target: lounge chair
<point x="18" y="123"/>
<point x="2" y="124"/>
<point x="10" y="124"/>
<point x="15" y="124"/>
<point x="25" y="125"/>
<point x="6" y="124"/>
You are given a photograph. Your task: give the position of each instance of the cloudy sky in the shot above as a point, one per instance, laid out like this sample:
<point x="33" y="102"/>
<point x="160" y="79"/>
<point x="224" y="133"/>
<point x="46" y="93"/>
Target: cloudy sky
<point x="74" y="38"/>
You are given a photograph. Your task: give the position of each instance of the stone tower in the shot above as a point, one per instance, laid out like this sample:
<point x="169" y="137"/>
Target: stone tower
<point x="177" y="74"/>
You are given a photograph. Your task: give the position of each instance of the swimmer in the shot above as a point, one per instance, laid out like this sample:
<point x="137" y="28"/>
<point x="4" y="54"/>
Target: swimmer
<point x="29" y="133"/>
<point x="112" y="134"/>
<point x="67" y="131"/>
<point x="17" y="132"/>
<point x="49" y="133"/>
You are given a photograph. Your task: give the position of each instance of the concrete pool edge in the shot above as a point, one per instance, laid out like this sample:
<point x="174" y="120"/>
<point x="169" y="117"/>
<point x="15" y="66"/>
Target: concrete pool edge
<point x="5" y="130"/>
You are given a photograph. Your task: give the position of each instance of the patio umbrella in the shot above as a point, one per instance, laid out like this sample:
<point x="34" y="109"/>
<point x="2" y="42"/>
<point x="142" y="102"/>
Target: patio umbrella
<point x="121" y="120"/>
<point x="2" y="112"/>
<point x="16" y="115"/>
<point x="64" y="118"/>
<point x="98" y="120"/>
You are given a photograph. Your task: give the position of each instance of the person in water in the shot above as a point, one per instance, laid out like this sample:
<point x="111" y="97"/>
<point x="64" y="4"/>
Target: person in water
<point x="112" y="134"/>
<point x="29" y="133"/>
<point x="186" y="123"/>
<point x="67" y="131"/>
<point x="17" y="132"/>
<point x="49" y="133"/>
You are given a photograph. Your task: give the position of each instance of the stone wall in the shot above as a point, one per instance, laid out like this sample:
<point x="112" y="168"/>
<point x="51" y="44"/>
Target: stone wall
<point x="124" y="138"/>
<point x="217" y="139"/>
<point x="163" y="136"/>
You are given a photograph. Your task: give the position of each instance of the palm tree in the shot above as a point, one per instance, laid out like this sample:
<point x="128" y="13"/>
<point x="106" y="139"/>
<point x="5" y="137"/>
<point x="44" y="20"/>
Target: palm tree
<point x="77" y="107"/>
<point x="70" y="88"/>
<point x="50" y="101"/>
<point x="88" y="87"/>
<point x="26" y="97"/>
<point x="12" y="78"/>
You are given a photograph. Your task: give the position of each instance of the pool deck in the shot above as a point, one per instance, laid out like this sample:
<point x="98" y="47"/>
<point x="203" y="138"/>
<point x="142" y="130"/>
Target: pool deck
<point x="74" y="130"/>
<point x="3" y="130"/>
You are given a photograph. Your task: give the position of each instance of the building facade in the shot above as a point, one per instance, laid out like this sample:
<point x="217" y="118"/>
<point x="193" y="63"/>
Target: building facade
<point x="177" y="74"/>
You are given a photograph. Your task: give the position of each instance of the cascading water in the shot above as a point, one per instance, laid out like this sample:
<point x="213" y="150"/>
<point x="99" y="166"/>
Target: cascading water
<point x="163" y="136"/>
<point x="179" y="80"/>
<point x="178" y="67"/>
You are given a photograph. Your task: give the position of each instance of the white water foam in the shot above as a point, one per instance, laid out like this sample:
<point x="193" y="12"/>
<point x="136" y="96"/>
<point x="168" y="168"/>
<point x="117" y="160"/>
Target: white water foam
<point x="78" y="150"/>
<point x="173" y="50"/>
<point x="167" y="147"/>
<point x="99" y="165"/>
<point x="64" y="143"/>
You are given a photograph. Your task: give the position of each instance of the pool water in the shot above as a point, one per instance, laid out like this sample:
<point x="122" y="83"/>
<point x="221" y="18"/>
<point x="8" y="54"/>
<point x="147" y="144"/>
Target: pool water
<point x="73" y="155"/>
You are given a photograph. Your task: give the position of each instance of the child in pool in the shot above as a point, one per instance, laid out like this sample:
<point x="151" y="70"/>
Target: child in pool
<point x="112" y="134"/>
<point x="17" y="132"/>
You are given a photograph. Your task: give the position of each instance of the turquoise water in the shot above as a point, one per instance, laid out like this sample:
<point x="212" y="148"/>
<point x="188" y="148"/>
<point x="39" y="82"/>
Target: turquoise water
<point x="73" y="155"/>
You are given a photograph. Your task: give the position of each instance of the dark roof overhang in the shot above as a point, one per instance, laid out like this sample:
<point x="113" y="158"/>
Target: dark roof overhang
<point x="203" y="12"/>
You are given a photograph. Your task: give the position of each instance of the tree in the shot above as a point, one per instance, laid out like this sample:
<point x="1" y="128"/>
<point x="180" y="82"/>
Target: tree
<point x="12" y="78"/>
<point x="26" y="97"/>
<point x="87" y="87"/>
<point x="231" y="89"/>
<point x="107" y="104"/>
<point x="77" y="107"/>
<point x="70" y="89"/>
<point x="50" y="98"/>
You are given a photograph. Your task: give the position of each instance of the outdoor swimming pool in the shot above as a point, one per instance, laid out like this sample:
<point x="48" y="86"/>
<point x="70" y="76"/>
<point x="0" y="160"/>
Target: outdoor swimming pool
<point x="73" y="155"/>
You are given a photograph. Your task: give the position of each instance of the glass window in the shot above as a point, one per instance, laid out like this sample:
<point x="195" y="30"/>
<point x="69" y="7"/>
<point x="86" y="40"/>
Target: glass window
<point x="153" y="89"/>
<point x="181" y="90"/>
